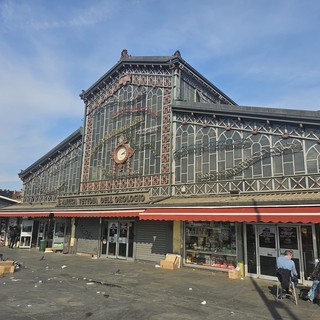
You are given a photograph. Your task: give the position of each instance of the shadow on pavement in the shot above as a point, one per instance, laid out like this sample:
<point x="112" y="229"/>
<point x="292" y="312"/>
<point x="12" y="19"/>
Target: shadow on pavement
<point x="272" y="306"/>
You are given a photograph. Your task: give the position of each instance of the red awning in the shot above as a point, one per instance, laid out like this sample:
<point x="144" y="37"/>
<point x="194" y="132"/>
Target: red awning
<point x="24" y="214"/>
<point x="235" y="214"/>
<point x="74" y="213"/>
<point x="303" y="214"/>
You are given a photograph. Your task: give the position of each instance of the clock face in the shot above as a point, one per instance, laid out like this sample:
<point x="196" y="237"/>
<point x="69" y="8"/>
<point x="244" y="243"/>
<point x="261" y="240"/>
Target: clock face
<point x="121" y="153"/>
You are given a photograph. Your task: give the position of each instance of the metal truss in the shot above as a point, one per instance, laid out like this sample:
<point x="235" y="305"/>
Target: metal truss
<point x="61" y="160"/>
<point x="247" y="186"/>
<point x="49" y="180"/>
<point x="154" y="70"/>
<point x="139" y="76"/>
<point x="195" y="80"/>
<point x="294" y="130"/>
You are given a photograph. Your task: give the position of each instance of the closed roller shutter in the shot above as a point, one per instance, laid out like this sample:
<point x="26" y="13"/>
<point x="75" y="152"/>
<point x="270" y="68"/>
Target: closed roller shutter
<point x="87" y="235"/>
<point x="153" y="240"/>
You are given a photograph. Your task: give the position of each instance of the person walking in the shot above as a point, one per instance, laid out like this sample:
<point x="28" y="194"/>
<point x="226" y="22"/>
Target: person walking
<point x="315" y="277"/>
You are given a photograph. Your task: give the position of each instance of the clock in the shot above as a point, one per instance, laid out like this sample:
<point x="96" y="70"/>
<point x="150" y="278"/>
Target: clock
<point x="122" y="153"/>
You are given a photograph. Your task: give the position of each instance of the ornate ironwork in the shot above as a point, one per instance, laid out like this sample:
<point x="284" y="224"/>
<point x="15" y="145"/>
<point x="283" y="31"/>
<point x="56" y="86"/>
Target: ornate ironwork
<point x="247" y="186"/>
<point x="211" y="146"/>
<point x="257" y="156"/>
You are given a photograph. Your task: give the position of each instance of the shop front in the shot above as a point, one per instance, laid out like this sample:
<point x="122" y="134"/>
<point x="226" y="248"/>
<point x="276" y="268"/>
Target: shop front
<point x="265" y="242"/>
<point x="211" y="244"/>
<point x="131" y="239"/>
<point x="207" y="238"/>
<point x="247" y="237"/>
<point x="117" y="239"/>
<point x="54" y="232"/>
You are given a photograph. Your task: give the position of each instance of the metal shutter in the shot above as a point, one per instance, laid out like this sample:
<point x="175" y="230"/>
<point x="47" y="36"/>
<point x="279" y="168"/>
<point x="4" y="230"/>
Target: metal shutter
<point x="153" y="240"/>
<point x="87" y="235"/>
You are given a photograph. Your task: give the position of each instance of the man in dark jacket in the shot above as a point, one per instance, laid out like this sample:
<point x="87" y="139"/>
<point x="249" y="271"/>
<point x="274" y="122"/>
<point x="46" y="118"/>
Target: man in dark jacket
<point x="285" y="264"/>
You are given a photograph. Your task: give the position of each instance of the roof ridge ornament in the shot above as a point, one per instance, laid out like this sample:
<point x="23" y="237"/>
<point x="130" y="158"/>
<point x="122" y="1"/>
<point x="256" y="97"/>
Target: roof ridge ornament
<point x="124" y="54"/>
<point x="177" y="54"/>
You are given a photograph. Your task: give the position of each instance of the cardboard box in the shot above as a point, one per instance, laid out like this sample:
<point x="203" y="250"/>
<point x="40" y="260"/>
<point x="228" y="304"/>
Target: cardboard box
<point x="168" y="265"/>
<point x="234" y="274"/>
<point x="171" y="262"/>
<point x="8" y="266"/>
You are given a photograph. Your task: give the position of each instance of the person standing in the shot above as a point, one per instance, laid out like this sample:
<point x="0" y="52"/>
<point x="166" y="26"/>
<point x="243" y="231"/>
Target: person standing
<point x="315" y="277"/>
<point x="286" y="262"/>
<point x="16" y="236"/>
<point x="11" y="237"/>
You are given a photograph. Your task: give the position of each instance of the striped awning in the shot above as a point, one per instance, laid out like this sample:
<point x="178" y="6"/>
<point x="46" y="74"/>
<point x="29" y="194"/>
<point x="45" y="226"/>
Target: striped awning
<point x="73" y="213"/>
<point x="235" y="214"/>
<point x="275" y="214"/>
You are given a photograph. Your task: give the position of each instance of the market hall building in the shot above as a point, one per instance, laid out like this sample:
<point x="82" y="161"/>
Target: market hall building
<point x="168" y="163"/>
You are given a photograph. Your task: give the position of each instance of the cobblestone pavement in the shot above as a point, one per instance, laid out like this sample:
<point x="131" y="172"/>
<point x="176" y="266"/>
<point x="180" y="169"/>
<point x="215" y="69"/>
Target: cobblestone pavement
<point x="61" y="286"/>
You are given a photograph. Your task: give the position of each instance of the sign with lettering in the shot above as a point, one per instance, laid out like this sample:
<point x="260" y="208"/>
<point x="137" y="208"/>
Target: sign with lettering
<point x="103" y="200"/>
<point x="114" y="133"/>
<point x="246" y="163"/>
<point x="211" y="146"/>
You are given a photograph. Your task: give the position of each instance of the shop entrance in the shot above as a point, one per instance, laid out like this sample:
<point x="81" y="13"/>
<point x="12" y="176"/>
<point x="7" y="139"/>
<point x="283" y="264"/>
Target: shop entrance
<point x="41" y="231"/>
<point x="26" y="234"/>
<point x="3" y="227"/>
<point x="117" y="239"/>
<point x="265" y="242"/>
<point x="59" y="234"/>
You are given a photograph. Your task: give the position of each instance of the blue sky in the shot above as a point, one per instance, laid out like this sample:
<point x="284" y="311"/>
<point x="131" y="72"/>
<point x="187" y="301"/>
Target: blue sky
<point x="258" y="52"/>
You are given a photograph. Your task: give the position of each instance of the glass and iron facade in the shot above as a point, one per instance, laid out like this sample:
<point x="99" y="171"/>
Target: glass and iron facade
<point x="167" y="155"/>
<point x="134" y="110"/>
<point x="221" y="152"/>
<point x="56" y="174"/>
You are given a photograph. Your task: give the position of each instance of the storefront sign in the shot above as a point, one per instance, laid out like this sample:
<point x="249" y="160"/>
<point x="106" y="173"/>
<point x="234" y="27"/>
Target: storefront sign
<point x="103" y="200"/>
<point x="120" y="175"/>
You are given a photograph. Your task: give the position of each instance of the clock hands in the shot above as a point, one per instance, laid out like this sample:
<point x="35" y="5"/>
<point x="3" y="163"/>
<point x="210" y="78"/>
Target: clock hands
<point x="121" y="154"/>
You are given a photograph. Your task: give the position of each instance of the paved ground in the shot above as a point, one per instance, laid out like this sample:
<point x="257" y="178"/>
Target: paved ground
<point x="58" y="286"/>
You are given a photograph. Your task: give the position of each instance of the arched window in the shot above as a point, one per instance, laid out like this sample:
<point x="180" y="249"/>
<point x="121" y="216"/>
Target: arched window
<point x="197" y="96"/>
<point x="258" y="157"/>
<point x="205" y="151"/>
<point x="229" y="155"/>
<point x="313" y="159"/>
<point x="290" y="160"/>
